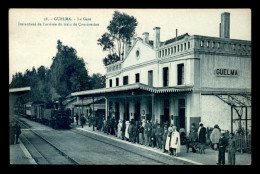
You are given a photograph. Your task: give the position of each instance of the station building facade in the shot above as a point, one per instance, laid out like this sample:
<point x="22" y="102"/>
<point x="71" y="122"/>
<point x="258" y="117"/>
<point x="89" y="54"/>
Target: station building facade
<point x="176" y="81"/>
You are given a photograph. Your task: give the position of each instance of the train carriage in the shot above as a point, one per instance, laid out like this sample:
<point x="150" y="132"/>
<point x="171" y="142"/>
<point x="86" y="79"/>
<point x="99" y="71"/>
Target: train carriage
<point x="55" y="117"/>
<point x="28" y="111"/>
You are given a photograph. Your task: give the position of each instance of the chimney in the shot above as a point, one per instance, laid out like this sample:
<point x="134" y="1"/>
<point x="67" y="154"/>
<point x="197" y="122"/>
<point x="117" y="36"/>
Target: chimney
<point x="176" y="34"/>
<point x="156" y="37"/>
<point x="225" y="25"/>
<point x="146" y="37"/>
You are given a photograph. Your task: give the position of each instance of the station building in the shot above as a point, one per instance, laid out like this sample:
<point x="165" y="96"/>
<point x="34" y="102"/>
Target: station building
<point x="178" y="80"/>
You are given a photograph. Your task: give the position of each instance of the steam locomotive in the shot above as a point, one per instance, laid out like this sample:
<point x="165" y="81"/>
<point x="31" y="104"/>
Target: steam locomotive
<point x="56" y="117"/>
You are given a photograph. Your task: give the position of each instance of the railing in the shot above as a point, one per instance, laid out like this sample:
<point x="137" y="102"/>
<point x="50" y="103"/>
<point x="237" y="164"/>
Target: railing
<point x="174" y="48"/>
<point x="243" y="143"/>
<point x="230" y="46"/>
<point x="205" y="44"/>
<point x="114" y="67"/>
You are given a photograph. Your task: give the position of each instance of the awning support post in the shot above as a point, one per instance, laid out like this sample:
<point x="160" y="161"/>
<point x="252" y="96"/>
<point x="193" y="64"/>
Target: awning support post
<point x="153" y="107"/>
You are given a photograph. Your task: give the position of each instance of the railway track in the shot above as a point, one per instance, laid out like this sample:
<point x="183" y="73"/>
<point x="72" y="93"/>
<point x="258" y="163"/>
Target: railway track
<point x="51" y="148"/>
<point x="69" y="160"/>
<point x="100" y="140"/>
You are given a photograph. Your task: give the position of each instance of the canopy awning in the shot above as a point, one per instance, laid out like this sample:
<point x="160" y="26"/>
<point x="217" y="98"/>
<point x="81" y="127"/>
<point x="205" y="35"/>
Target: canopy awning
<point x="23" y="89"/>
<point x="135" y="86"/>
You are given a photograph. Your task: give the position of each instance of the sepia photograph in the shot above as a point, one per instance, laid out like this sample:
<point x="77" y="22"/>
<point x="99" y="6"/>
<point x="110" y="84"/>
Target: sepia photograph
<point x="130" y="86"/>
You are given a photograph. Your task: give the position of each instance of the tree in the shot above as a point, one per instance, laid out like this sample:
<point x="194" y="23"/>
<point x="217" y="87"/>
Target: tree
<point x="97" y="81"/>
<point x="120" y="30"/>
<point x="67" y="72"/>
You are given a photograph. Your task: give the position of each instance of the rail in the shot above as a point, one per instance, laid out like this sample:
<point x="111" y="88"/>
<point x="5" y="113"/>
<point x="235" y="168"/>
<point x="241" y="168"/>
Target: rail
<point x="41" y="137"/>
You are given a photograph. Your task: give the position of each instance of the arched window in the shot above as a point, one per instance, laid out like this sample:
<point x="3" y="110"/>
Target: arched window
<point x="208" y="44"/>
<point x="202" y="43"/>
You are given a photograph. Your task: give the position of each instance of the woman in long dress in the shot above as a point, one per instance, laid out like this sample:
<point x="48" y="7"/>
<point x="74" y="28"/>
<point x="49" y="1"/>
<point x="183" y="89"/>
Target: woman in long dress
<point x="126" y="130"/>
<point x="119" y="131"/>
<point x="175" y="141"/>
<point x="168" y="139"/>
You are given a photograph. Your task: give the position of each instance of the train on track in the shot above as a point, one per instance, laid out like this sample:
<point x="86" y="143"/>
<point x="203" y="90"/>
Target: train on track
<point x="56" y="116"/>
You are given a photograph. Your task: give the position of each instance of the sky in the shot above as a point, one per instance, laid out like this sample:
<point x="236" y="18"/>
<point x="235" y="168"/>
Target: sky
<point x="33" y="46"/>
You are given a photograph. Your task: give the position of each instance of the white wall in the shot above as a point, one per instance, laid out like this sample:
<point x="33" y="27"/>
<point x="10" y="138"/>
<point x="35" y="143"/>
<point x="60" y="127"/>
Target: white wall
<point x="210" y="62"/>
<point x="214" y="111"/>
<point x="146" y="54"/>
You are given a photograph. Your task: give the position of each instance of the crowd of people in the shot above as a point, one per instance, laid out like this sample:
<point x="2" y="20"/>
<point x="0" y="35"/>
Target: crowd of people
<point x="166" y="137"/>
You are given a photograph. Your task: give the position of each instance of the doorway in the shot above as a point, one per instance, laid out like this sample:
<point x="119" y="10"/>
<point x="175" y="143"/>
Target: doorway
<point x="181" y="104"/>
<point x="137" y="115"/>
<point x="166" y="115"/>
<point x="117" y="110"/>
<point x="126" y="114"/>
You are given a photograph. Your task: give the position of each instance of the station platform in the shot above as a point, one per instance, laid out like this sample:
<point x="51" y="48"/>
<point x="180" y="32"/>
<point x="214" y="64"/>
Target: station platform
<point x="209" y="158"/>
<point x="19" y="155"/>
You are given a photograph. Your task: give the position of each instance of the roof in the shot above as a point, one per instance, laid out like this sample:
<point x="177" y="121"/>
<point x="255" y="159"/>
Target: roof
<point x="134" y="87"/>
<point x="23" y="89"/>
<point x="29" y="103"/>
<point x="68" y="100"/>
<point x="88" y="101"/>
<point x="175" y="39"/>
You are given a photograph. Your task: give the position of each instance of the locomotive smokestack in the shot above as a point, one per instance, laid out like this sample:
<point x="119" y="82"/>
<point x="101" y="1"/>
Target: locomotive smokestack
<point x="60" y="103"/>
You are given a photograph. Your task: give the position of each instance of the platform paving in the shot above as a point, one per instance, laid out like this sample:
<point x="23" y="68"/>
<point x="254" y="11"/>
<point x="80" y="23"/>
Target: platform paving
<point x="209" y="158"/>
<point x="20" y="155"/>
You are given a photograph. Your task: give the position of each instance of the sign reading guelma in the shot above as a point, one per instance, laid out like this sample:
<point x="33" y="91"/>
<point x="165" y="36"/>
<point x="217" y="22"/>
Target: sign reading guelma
<point x="226" y="72"/>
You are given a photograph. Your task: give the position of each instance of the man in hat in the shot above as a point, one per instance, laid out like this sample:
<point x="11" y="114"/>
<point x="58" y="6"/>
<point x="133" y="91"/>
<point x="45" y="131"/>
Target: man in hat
<point x="202" y="134"/>
<point x="164" y="137"/>
<point x="158" y="136"/>
<point x="168" y="140"/>
<point x="222" y="148"/>
<point x="192" y="138"/>
<point x="232" y="148"/>
<point x="17" y="131"/>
